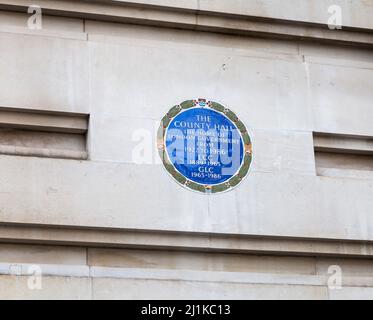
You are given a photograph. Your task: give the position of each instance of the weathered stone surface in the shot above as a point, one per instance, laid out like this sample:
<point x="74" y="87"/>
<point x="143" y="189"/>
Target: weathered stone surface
<point x="20" y="20"/>
<point x="334" y="89"/>
<point x="127" y="77"/>
<point x="42" y="254"/>
<point x="165" y="290"/>
<point x="351" y="293"/>
<point x="52" y="288"/>
<point x="199" y="261"/>
<point x="53" y="75"/>
<point x="103" y="193"/>
<point x="348" y="267"/>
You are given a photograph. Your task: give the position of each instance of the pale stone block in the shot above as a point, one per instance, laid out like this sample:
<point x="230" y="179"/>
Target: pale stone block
<point x="121" y="139"/>
<point x="341" y="99"/>
<point x="207" y="276"/>
<point x="283" y="151"/>
<point x="18" y="19"/>
<point x="86" y="194"/>
<point x="44" y="73"/>
<point x="266" y="93"/>
<point x="59" y="288"/>
<point x="145" y="36"/>
<point x="119" y="83"/>
<point x="336" y="55"/>
<point x="19" y="253"/>
<point x="351" y="293"/>
<point x="224" y="211"/>
<point x="349" y="267"/>
<point x="199" y="261"/>
<point x="98" y="194"/>
<point x="187" y="290"/>
<point x="303" y="206"/>
<point x="295" y="10"/>
<point x="241" y="83"/>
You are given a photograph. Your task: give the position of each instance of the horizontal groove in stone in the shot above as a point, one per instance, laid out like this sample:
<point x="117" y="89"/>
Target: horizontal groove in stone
<point x="343" y="144"/>
<point x="181" y="241"/>
<point x="43" y="122"/>
<point x="38" y="134"/>
<point x="46" y="33"/>
<point x="200" y="20"/>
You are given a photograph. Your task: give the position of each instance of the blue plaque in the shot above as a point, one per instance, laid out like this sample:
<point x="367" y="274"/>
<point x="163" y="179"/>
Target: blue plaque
<point x="204" y="146"/>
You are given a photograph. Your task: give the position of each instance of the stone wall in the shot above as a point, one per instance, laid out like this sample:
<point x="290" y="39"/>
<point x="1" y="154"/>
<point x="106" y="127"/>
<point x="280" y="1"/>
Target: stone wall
<point x="291" y="80"/>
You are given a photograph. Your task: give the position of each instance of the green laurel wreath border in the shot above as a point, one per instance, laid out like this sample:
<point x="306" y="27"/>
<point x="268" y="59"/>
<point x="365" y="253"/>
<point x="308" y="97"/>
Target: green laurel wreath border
<point x="225" y="186"/>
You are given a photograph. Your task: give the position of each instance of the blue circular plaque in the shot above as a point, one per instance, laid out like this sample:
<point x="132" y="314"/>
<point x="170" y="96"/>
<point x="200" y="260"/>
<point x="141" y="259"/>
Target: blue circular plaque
<point x="204" y="146"/>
